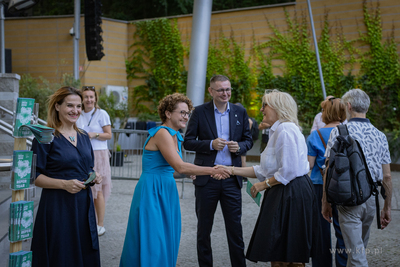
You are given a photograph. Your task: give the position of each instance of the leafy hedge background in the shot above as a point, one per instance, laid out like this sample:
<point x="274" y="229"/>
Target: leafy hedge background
<point x="158" y="58"/>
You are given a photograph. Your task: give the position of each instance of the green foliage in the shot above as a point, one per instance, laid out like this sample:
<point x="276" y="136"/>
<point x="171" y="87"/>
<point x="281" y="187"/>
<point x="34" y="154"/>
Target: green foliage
<point x="30" y="88"/>
<point x="381" y="72"/>
<point x="114" y="110"/>
<point x="227" y="57"/>
<point x="250" y="76"/>
<point x="300" y="71"/>
<point x="148" y="117"/>
<point x="379" y="75"/>
<point x="393" y="138"/>
<point x="118" y="148"/>
<point x="158" y="59"/>
<point x="40" y="89"/>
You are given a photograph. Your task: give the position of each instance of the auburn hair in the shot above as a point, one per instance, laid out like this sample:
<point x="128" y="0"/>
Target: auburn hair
<point x="333" y="109"/>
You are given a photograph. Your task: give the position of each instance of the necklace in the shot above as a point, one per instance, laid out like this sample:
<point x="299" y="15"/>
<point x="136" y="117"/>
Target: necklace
<point x="70" y="137"/>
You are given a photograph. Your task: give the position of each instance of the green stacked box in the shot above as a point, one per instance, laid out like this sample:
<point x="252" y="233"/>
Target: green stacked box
<point x="21" y="221"/>
<point x="23" y="116"/>
<point x="21" y="170"/>
<point x="20" y="259"/>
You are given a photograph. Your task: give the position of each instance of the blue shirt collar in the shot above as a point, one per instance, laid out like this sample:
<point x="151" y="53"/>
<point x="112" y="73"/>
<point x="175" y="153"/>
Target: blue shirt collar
<point x="228" y="108"/>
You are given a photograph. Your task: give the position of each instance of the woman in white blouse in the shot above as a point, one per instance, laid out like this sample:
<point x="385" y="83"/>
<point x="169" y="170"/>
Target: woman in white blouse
<point x="96" y="122"/>
<point x="286" y="232"/>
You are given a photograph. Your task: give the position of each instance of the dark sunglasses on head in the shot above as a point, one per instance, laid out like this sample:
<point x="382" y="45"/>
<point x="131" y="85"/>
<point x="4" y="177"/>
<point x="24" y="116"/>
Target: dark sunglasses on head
<point x="86" y="88"/>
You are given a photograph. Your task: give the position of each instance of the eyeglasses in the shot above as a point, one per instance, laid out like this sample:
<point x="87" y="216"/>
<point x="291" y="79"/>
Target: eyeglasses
<point x="331" y="99"/>
<point x="264" y="105"/>
<point x="184" y="113"/>
<point x="222" y="90"/>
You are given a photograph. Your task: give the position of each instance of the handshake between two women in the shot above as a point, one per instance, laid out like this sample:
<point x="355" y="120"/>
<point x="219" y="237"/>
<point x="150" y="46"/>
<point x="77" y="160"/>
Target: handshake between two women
<point x="222" y="172"/>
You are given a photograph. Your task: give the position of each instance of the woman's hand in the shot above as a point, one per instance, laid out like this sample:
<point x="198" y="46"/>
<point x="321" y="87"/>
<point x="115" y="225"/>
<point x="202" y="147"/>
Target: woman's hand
<point x="98" y="179"/>
<point x="221" y="172"/>
<point x="73" y="186"/>
<point x="257" y="187"/>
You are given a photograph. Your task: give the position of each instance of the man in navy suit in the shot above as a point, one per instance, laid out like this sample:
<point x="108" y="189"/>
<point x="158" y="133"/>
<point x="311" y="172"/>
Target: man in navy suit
<point x="218" y="131"/>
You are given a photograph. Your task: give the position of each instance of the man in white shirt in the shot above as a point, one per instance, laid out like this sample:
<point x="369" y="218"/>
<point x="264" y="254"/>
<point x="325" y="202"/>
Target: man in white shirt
<point x="355" y="221"/>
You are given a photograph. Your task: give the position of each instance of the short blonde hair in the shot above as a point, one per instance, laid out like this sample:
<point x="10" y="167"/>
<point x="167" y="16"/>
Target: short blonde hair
<point x="283" y="104"/>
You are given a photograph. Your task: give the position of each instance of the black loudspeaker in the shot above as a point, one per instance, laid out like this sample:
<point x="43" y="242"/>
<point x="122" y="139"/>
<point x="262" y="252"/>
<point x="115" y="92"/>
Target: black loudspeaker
<point x="93" y="31"/>
<point x="8" y="60"/>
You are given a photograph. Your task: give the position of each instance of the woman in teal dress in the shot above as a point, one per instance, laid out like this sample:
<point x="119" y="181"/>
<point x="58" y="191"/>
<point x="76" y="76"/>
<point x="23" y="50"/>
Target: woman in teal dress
<point x="154" y="227"/>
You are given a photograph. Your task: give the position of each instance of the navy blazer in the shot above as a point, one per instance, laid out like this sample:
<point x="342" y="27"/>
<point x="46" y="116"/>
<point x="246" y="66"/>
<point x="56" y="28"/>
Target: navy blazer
<point x="202" y="129"/>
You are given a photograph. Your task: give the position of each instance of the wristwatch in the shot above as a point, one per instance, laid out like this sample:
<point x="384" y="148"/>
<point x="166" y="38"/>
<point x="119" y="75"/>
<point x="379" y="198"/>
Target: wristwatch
<point x="97" y="135"/>
<point x="267" y="183"/>
<point x="238" y="151"/>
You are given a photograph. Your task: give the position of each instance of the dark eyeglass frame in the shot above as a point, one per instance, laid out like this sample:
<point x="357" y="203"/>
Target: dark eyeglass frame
<point x="184" y="113"/>
<point x="264" y="105"/>
<point x="222" y="90"/>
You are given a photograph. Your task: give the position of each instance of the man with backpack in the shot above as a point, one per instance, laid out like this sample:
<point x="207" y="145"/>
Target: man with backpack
<point x="355" y="219"/>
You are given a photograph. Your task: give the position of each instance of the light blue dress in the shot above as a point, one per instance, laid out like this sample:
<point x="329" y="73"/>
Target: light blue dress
<point x="154" y="227"/>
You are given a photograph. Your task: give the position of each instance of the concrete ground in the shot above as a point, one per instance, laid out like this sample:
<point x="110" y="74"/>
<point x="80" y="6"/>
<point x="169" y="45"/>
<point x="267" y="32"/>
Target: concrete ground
<point x="384" y="245"/>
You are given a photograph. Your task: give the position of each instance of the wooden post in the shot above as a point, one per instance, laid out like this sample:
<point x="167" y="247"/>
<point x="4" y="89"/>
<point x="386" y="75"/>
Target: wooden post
<point x="17" y="195"/>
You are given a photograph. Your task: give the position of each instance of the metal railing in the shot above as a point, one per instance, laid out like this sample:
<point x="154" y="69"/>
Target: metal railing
<point x="126" y="161"/>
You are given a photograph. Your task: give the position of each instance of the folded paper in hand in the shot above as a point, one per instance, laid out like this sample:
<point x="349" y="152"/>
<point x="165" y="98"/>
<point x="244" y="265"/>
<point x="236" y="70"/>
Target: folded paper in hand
<point x="256" y="199"/>
<point x="90" y="179"/>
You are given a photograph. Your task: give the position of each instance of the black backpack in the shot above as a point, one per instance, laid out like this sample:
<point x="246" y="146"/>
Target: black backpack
<point x="255" y="132"/>
<point x="348" y="179"/>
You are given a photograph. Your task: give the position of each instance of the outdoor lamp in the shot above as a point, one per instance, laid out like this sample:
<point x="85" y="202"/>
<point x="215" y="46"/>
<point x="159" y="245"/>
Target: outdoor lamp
<point x="16" y="6"/>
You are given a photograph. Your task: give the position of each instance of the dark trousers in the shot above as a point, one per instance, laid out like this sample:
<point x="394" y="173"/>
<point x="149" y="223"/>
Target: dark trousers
<point x="325" y="259"/>
<point x="229" y="194"/>
<point x="340" y="254"/>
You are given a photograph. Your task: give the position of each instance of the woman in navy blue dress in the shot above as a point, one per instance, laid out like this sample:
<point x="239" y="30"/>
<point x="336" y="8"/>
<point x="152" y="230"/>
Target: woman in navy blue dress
<point x="65" y="232"/>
